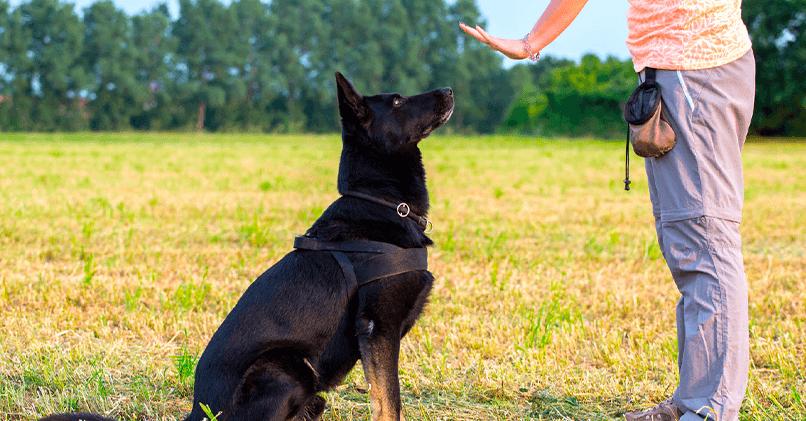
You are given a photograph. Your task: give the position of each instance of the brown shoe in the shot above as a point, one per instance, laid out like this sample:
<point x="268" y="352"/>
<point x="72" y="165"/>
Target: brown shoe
<point x="665" y="411"/>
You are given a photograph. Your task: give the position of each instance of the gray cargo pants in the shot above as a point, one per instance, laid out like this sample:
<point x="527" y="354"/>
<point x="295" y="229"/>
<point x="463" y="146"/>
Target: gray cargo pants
<point x="697" y="193"/>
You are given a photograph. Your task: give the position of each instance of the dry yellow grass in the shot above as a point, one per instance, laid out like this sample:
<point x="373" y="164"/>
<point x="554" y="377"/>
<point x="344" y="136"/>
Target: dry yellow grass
<point x="121" y="254"/>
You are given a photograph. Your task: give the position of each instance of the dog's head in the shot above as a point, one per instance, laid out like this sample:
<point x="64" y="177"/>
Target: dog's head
<point x="380" y="135"/>
<point x="380" y="157"/>
<point x="390" y="122"/>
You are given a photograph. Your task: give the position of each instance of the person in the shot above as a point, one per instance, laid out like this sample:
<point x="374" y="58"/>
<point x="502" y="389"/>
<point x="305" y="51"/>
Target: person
<point x="705" y="66"/>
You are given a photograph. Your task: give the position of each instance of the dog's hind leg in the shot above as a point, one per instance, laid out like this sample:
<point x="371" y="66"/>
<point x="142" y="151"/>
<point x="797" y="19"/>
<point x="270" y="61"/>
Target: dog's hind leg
<point x="380" y="350"/>
<point x="313" y="410"/>
<point x="274" y="399"/>
<point x="278" y="387"/>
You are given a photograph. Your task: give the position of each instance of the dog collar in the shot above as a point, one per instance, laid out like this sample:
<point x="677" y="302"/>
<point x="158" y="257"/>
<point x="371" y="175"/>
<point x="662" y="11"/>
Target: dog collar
<point x="403" y="210"/>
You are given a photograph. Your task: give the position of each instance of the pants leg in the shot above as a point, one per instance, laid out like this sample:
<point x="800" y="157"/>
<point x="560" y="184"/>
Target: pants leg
<point x="704" y="255"/>
<point x="697" y="195"/>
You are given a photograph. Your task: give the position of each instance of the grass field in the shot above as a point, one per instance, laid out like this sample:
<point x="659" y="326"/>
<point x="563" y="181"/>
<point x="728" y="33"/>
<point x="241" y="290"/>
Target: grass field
<point x="121" y="254"/>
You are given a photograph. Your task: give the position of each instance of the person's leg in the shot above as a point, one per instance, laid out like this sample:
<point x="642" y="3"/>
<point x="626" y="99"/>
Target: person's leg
<point x="705" y="257"/>
<point x="698" y="187"/>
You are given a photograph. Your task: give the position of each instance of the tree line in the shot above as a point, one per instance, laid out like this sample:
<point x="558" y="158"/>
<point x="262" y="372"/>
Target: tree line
<point x="268" y="67"/>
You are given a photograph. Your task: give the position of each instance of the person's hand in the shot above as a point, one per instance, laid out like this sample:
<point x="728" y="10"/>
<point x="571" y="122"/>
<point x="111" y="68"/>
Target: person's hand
<point x="512" y="48"/>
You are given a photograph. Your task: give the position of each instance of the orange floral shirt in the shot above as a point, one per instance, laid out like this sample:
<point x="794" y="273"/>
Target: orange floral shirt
<point x="685" y="34"/>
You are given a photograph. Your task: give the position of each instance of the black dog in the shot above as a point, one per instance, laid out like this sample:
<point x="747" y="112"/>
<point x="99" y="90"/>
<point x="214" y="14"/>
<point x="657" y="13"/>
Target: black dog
<point x="353" y="288"/>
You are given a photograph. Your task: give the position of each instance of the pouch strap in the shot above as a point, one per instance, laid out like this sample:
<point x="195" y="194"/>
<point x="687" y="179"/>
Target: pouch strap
<point x="627" y="158"/>
<point x="649" y="74"/>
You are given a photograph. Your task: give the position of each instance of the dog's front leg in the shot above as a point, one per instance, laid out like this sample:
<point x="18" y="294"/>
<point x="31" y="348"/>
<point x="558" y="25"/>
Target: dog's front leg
<point x="380" y="349"/>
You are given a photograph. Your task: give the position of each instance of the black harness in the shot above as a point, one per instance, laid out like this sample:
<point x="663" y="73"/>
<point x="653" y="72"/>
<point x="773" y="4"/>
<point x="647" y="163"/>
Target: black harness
<point x="385" y="259"/>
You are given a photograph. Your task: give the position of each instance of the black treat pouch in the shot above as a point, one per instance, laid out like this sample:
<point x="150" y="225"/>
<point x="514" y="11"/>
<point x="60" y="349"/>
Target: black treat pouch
<point x="650" y="133"/>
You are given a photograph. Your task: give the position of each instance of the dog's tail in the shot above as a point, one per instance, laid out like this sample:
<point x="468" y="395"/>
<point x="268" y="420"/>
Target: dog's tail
<point x="76" y="416"/>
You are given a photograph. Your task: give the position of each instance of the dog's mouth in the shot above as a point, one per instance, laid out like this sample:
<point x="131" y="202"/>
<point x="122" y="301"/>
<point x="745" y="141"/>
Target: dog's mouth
<point x="444" y="115"/>
<point x="439" y="122"/>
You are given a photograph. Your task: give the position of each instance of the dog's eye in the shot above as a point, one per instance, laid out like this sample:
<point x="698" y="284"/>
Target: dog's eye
<point x="397" y="101"/>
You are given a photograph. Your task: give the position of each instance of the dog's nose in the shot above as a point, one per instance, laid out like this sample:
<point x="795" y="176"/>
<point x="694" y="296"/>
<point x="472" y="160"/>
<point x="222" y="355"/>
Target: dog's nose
<point x="446" y="91"/>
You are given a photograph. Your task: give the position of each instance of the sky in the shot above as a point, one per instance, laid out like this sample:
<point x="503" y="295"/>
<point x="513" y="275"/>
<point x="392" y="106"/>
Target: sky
<point x="601" y="27"/>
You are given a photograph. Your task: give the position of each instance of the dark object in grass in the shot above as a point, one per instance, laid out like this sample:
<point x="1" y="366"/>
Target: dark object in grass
<point x="302" y="325"/>
<point x="77" y="416"/>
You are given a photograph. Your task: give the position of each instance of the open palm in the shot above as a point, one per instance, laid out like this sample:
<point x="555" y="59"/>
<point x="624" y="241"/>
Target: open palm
<point x="512" y="48"/>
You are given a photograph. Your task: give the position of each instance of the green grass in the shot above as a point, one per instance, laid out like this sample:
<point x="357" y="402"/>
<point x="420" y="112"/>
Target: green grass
<point x="120" y="254"/>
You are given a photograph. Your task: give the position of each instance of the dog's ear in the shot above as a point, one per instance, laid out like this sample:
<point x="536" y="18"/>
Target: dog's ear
<point x="351" y="103"/>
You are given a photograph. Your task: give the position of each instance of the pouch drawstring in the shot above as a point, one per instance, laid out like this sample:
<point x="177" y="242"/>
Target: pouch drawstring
<point x="627" y="159"/>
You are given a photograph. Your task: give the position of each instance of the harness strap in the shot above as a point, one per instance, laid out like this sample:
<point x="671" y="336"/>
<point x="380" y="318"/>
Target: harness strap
<point x="347" y="269"/>
<point x="649" y="73"/>
<point x="627" y="181"/>
<point x="363" y="246"/>
<point x="388" y="259"/>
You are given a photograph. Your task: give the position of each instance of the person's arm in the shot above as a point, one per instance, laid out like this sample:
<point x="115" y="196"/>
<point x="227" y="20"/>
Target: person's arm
<point x="557" y="16"/>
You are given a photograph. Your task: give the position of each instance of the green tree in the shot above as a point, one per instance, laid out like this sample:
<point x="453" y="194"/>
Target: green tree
<point x="530" y="100"/>
<point x="255" y="69"/>
<point x="110" y="58"/>
<point x="4" y="9"/>
<point x="576" y="100"/>
<point x="155" y="69"/>
<point x="411" y="33"/>
<point x="5" y="76"/>
<point x="352" y="46"/>
<point x="356" y="45"/>
<point x="304" y="34"/>
<point x="778" y="31"/>
<point x="45" y="40"/>
<point x="17" y="103"/>
<point x="483" y="89"/>
<point x="209" y="55"/>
